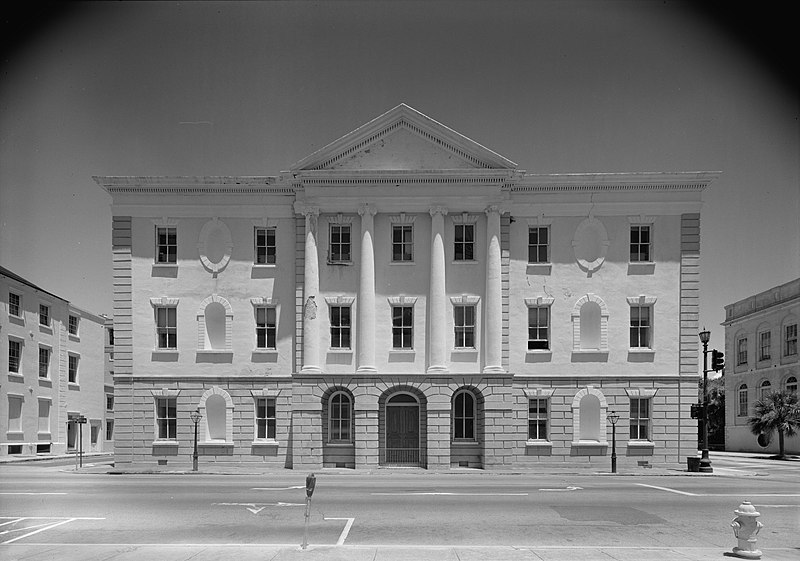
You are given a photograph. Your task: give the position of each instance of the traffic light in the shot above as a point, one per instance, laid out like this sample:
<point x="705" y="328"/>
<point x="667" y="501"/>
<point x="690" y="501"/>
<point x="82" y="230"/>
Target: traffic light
<point x="717" y="360"/>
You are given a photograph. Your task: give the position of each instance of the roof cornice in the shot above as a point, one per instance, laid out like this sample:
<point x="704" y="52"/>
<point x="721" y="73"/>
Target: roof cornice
<point x="640" y="181"/>
<point x="142" y="184"/>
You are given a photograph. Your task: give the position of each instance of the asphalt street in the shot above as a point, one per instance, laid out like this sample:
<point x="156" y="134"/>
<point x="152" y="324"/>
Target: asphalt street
<point x="46" y="508"/>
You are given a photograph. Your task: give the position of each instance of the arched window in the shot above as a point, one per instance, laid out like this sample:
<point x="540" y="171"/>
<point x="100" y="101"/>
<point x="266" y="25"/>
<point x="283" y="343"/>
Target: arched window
<point x="463" y="415"/>
<point x="216" y="413"/>
<point x="791" y="384"/>
<point x="340" y="418"/>
<point x="215" y="326"/>
<point x="590" y="324"/>
<point x="765" y="389"/>
<point x="590" y="418"/>
<point x="741" y="409"/>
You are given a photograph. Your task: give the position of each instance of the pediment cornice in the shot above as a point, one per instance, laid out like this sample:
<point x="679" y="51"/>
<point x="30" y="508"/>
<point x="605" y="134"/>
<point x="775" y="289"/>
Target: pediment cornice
<point x="404" y="117"/>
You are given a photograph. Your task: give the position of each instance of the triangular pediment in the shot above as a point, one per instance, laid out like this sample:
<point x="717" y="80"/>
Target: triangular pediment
<point x="403" y="139"/>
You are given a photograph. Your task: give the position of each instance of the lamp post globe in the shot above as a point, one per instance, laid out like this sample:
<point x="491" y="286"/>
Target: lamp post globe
<point x="195" y="416"/>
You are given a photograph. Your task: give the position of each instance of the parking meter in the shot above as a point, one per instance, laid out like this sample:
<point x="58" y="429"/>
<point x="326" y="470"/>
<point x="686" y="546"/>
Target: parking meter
<point x="311" y="482"/>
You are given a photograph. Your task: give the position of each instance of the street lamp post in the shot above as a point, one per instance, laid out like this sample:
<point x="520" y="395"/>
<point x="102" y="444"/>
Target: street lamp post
<point x="613" y="418"/>
<point x="195" y="416"/>
<point x="705" y="461"/>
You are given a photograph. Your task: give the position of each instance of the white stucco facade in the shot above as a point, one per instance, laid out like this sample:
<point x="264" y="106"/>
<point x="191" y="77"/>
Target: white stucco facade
<point x="55" y="369"/>
<point x="761" y="356"/>
<point x="426" y="303"/>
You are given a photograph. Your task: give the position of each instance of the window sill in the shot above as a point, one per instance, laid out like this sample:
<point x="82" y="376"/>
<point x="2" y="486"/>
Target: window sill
<point x="44" y="435"/>
<point x="76" y="338"/>
<point x="641" y="268"/>
<point x="465" y="262"/>
<point x="164" y="355"/>
<point x="538" y="355"/>
<point x="17" y="320"/>
<point x="640" y="444"/>
<point x="340" y="351"/>
<point x="641" y="355"/>
<point x="215" y="444"/>
<point x="402" y="351"/>
<point x="465" y="443"/>
<point x="164" y="443"/>
<point x="266" y="443"/>
<point x="46" y="382"/>
<point x="265" y="265"/>
<point x="401" y="263"/>
<point x="258" y="351"/>
<point x="340" y="444"/>
<point x="73" y="386"/>
<point x="539" y="268"/>
<point x="640" y="448"/>
<point x="15" y="377"/>
<point x="165" y="266"/>
<point x="45" y="329"/>
<point x="586" y="355"/>
<point x="201" y="352"/>
<point x="340" y="263"/>
<point x="538" y="448"/>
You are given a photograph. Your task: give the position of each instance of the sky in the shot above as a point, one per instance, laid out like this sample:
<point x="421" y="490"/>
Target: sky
<point x="249" y="88"/>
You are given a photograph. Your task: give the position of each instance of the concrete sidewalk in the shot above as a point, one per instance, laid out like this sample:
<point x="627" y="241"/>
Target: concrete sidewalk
<point x="254" y="552"/>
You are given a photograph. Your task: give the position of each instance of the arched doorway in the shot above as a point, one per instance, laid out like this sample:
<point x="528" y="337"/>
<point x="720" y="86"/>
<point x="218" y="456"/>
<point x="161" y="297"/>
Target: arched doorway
<point x="402" y="440"/>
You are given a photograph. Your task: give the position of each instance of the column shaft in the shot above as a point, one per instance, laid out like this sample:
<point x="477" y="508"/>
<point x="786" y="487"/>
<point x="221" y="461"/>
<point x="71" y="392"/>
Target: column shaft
<point x="493" y="320"/>
<point x="437" y="297"/>
<point x="311" y="340"/>
<point x="365" y="329"/>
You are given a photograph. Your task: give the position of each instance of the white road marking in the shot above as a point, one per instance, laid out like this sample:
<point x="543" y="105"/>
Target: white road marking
<point x="719" y="494"/>
<point x="40" y="527"/>
<point x="454" y="494"/>
<point x="343" y="535"/>
<point x="255" y="510"/>
<point x="278" y="488"/>
<point x="251" y="506"/>
<point x="570" y="488"/>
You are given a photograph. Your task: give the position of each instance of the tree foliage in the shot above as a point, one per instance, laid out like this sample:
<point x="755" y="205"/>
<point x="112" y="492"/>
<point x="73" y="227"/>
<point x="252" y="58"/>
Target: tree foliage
<point x="776" y="412"/>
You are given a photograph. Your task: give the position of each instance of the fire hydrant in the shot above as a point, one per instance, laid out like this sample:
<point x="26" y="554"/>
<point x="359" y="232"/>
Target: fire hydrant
<point x="746" y="528"/>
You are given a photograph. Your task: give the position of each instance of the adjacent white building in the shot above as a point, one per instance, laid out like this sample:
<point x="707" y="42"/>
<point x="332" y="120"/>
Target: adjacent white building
<point x="760" y="357"/>
<point x="56" y="370"/>
<point x="406" y="296"/>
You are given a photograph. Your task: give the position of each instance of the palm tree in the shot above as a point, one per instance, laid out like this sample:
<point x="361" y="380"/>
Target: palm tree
<point x="776" y="411"/>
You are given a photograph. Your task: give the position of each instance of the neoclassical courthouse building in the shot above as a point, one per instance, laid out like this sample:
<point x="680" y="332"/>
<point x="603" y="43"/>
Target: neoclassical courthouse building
<point x="406" y="296"/>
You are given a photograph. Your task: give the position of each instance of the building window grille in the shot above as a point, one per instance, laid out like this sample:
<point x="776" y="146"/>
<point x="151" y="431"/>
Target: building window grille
<point x="266" y="327"/>
<point x="538" y="244"/>
<point x="790" y="342"/>
<point x="14" y="356"/>
<point x="266" y="420"/>
<point x="14" y="304"/>
<point x="73" y="325"/>
<point x="72" y="369"/>
<point x="402" y="243"/>
<point x="340" y="250"/>
<point x="166" y="245"/>
<point x="265" y="248"/>
<point x="339" y="418"/>
<point x="44" y="362"/>
<point x="741" y="410"/>
<point x="538" y="328"/>
<point x="640" y="418"/>
<point x="44" y="315"/>
<point x="340" y="327"/>
<point x="166" y="418"/>
<point x="166" y="327"/>
<point x="464" y="327"/>
<point x="464" y="242"/>
<point x="641" y="325"/>
<point x="765" y="344"/>
<point x="402" y="327"/>
<point x="640" y="244"/>
<point x="537" y="418"/>
<point x="741" y="351"/>
<point x="464" y="416"/>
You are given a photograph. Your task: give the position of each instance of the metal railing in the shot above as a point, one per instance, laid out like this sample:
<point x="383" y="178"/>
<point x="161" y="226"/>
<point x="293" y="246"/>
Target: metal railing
<point x="406" y="457"/>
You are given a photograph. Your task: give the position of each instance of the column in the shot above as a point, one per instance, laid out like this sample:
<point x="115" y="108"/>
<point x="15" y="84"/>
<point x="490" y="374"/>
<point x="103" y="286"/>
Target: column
<point x="365" y="330"/>
<point x="437" y="296"/>
<point x="311" y="340"/>
<point x="493" y="316"/>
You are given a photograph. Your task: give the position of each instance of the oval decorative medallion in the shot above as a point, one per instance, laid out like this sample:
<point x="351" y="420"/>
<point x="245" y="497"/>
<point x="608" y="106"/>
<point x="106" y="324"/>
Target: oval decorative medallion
<point x="590" y="244"/>
<point x="215" y="245"/>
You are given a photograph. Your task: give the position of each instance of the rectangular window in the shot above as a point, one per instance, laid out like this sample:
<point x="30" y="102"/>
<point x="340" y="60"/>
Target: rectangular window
<point x="764" y="346"/>
<point x="340" y="327"/>
<point x="402" y="327"/>
<point x="14" y="413"/>
<point x="537" y="418"/>
<point x="166" y="245"/>
<point x="14" y="304"/>
<point x="44" y="415"/>
<point x="266" y="327"/>
<point x="640" y="244"/>
<point x="166" y="327"/>
<point x="790" y="342"/>
<point x="95" y="433"/>
<point x="465" y="327"/>
<point x="73" y="325"/>
<point x="464" y="242"/>
<point x="640" y="418"/>
<point x="44" y="315"/>
<point x="111" y="336"/>
<point x="339" y="250"/>
<point x="640" y="327"/>
<point x="539" y="244"/>
<point x="109" y="402"/>
<point x="402" y="243"/>
<point x="741" y="410"/>
<point x="109" y="430"/>
<point x="14" y="356"/>
<point x="265" y="246"/>
<point x="44" y="362"/>
<point x="73" y="369"/>
<point x="265" y="418"/>
<point x="166" y="419"/>
<point x="741" y="351"/>
<point x="538" y="328"/>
